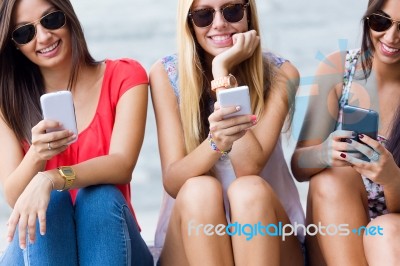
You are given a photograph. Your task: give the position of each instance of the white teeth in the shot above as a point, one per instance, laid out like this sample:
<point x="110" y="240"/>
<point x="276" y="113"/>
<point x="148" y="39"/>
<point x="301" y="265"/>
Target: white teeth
<point x="48" y="49"/>
<point x="220" y="37"/>
<point x="389" y="49"/>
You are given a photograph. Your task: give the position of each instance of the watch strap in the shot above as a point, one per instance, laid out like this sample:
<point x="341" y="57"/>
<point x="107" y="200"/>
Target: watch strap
<point x="224" y="82"/>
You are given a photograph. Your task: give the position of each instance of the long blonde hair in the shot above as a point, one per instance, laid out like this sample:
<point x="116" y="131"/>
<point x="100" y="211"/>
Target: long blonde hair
<point x="255" y="72"/>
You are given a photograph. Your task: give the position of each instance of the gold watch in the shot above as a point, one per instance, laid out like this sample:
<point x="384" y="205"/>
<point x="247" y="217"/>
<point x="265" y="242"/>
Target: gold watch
<point x="69" y="176"/>
<point x="224" y="82"/>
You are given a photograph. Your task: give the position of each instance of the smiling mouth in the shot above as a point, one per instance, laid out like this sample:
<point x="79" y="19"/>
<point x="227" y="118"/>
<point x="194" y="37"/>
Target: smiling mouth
<point x="388" y="49"/>
<point x="221" y="38"/>
<point x="49" y="49"/>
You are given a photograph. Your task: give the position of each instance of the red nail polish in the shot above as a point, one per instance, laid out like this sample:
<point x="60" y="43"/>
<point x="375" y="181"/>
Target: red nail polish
<point x="343" y="155"/>
<point x="361" y="136"/>
<point x="253" y="118"/>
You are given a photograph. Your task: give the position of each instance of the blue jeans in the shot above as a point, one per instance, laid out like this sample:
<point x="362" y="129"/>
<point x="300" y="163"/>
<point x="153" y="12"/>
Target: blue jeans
<point x="98" y="230"/>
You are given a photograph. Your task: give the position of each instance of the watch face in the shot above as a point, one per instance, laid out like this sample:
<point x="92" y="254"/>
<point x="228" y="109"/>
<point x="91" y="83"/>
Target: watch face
<point x="67" y="171"/>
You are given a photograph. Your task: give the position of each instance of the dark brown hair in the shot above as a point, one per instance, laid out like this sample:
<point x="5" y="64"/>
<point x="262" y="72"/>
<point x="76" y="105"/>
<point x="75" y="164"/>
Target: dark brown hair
<point x="367" y="48"/>
<point x="21" y="82"/>
<point x="367" y="53"/>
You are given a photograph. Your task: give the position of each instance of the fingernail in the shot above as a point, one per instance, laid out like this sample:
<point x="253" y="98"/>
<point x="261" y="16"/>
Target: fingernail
<point x="343" y="155"/>
<point x="361" y="136"/>
<point x="349" y="141"/>
<point x="253" y="118"/>
<point x="22" y="246"/>
<point x="238" y="108"/>
<point x="9" y="239"/>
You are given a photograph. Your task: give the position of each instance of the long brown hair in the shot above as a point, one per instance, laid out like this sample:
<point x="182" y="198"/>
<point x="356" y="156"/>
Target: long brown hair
<point x="21" y="82"/>
<point x="367" y="53"/>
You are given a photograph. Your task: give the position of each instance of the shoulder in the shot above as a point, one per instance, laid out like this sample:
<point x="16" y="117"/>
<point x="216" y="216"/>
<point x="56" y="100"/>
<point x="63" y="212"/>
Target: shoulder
<point x="284" y="70"/>
<point x="333" y="63"/>
<point x="167" y="64"/>
<point x="274" y="59"/>
<point x="122" y="75"/>
<point x="159" y="77"/>
<point x="290" y="72"/>
<point x="125" y="65"/>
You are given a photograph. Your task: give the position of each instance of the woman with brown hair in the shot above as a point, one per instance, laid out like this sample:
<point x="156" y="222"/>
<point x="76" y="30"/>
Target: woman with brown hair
<point x="90" y="219"/>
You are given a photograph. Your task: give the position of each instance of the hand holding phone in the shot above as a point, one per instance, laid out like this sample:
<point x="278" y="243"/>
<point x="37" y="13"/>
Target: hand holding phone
<point x="238" y="96"/>
<point x="59" y="106"/>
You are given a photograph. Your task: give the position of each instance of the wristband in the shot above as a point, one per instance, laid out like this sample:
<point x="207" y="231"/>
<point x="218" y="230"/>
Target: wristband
<point x="214" y="147"/>
<point x="224" y="82"/>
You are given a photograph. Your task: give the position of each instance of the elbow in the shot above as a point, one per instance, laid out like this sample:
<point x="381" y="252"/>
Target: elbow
<point x="169" y="187"/>
<point x="296" y="171"/>
<point x="9" y="197"/>
<point x="253" y="168"/>
<point x="126" y="168"/>
<point x="170" y="182"/>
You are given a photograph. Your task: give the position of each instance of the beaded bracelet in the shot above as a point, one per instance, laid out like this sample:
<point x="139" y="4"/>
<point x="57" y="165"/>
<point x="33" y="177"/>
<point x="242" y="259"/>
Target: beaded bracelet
<point x="214" y="146"/>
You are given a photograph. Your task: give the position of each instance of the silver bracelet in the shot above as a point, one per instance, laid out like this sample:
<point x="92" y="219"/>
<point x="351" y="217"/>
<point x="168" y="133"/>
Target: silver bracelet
<point x="48" y="177"/>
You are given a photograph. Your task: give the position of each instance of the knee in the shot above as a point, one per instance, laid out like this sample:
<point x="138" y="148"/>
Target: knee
<point x="332" y="186"/>
<point x="250" y="193"/>
<point x="200" y="194"/>
<point x="99" y="201"/>
<point x="384" y="230"/>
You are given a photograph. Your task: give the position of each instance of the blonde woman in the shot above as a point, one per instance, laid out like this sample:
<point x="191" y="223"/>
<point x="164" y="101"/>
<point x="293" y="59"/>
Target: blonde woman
<point x="223" y="171"/>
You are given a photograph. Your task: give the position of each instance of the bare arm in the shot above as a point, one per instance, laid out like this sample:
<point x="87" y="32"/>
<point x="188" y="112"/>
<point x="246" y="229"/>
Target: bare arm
<point x="18" y="170"/>
<point x="250" y="153"/>
<point x="176" y="166"/>
<point x="126" y="142"/>
<point x="310" y="154"/>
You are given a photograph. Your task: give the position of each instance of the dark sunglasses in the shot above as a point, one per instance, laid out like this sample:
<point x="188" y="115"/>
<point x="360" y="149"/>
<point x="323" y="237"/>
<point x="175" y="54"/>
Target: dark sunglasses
<point x="204" y="17"/>
<point x="25" y="33"/>
<point x="379" y="23"/>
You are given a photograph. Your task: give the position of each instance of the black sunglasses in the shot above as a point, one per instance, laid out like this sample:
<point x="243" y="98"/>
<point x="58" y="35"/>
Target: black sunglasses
<point x="204" y="17"/>
<point x="51" y="21"/>
<point x="379" y="23"/>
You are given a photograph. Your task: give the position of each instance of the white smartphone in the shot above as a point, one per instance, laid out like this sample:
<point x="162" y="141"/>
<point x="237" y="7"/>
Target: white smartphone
<point x="59" y="106"/>
<point x="238" y="96"/>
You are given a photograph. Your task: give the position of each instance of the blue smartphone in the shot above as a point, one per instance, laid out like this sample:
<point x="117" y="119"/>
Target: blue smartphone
<point x="361" y="121"/>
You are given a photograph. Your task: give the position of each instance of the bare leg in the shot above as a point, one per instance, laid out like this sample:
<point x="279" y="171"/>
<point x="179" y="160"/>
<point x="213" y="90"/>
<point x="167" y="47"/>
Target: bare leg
<point x="337" y="196"/>
<point x="384" y="249"/>
<point x="199" y="202"/>
<point x="253" y="200"/>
